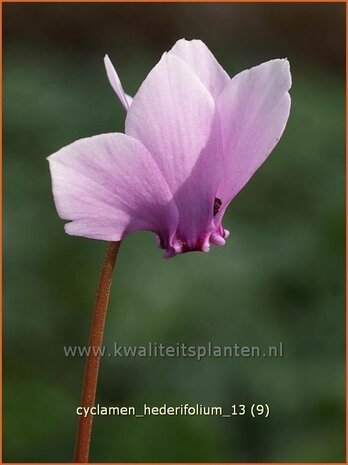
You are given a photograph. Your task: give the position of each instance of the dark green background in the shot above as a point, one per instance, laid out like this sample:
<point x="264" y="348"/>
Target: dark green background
<point x="279" y="278"/>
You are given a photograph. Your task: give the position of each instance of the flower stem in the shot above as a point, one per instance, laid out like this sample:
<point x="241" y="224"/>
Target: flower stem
<point x="96" y="335"/>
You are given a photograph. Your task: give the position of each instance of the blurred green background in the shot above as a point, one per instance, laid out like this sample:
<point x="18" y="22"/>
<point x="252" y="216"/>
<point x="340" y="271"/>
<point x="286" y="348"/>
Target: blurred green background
<point x="279" y="278"/>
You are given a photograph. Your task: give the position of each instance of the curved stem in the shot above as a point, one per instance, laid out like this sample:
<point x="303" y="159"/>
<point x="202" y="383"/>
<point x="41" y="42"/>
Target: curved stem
<point x="90" y="380"/>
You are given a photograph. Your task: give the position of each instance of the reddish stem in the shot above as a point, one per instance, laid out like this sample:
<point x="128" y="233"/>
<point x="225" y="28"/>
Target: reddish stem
<point x="90" y="379"/>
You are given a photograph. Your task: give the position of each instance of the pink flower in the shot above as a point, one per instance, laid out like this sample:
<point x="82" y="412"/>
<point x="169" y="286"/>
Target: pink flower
<point x="193" y="139"/>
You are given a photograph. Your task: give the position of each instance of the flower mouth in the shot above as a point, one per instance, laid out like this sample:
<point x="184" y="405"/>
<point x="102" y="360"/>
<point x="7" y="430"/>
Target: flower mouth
<point x="181" y="246"/>
<point x="179" y="243"/>
<point x="201" y="245"/>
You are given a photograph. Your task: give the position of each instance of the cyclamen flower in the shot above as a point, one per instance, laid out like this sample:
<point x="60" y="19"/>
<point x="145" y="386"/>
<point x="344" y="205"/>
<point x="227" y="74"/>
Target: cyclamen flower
<point x="193" y="139"/>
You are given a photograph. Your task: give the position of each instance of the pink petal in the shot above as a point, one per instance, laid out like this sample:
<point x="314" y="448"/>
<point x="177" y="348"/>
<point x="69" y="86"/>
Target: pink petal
<point x="254" y="109"/>
<point x="203" y="63"/>
<point x="173" y="115"/>
<point x="115" y="82"/>
<point x="108" y="186"/>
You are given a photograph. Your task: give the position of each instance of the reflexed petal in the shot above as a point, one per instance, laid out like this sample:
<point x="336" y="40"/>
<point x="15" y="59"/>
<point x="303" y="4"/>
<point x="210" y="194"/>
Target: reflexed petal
<point x="254" y="109"/>
<point x="173" y="115"/>
<point x="115" y="82"/>
<point x="203" y="63"/>
<point x="108" y="186"/>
